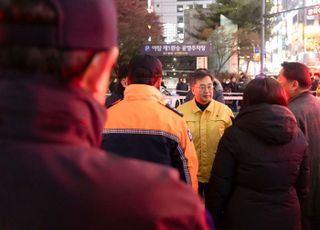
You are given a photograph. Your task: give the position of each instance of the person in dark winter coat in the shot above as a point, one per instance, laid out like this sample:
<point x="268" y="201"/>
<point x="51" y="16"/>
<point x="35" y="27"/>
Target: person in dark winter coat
<point x="182" y="87"/>
<point x="260" y="172"/>
<point x="295" y="77"/>
<point x="117" y="93"/>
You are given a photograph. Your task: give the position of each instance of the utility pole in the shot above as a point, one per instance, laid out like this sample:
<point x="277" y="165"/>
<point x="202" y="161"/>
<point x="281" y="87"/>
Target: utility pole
<point x="262" y="49"/>
<point x="303" y="28"/>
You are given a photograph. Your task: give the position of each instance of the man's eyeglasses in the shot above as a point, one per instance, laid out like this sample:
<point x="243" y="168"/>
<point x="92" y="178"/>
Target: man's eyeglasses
<point x="204" y="87"/>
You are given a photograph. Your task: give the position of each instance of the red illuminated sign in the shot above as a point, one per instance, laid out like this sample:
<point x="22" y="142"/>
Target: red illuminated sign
<point x="313" y="11"/>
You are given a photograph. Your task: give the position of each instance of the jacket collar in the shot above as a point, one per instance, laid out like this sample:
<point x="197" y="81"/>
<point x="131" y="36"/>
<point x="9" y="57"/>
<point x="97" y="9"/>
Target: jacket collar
<point x="303" y="94"/>
<point x="196" y="109"/>
<point x="143" y="92"/>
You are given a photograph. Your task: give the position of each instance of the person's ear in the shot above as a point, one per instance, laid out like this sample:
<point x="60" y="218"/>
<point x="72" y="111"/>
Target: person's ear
<point x="295" y="85"/>
<point x="157" y="83"/>
<point x="97" y="75"/>
<point x="193" y="90"/>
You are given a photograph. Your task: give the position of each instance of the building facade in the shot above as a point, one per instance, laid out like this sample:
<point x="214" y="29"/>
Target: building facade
<point x="171" y="14"/>
<point x="295" y="35"/>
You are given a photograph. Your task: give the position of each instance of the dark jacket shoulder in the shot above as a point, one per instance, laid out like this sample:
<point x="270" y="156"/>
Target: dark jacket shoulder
<point x="173" y="110"/>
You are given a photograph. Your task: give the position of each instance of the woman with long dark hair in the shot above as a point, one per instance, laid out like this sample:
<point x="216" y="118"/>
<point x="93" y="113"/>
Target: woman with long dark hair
<point x="258" y="181"/>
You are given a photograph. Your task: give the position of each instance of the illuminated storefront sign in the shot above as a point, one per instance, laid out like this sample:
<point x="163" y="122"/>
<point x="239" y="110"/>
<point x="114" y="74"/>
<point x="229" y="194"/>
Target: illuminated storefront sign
<point x="177" y="50"/>
<point x="313" y="11"/>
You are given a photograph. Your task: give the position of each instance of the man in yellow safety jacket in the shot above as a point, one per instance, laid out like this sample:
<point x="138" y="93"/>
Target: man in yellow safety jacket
<point x="207" y="120"/>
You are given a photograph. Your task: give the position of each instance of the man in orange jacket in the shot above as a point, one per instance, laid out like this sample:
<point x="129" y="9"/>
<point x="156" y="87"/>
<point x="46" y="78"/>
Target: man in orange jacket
<point x="141" y="126"/>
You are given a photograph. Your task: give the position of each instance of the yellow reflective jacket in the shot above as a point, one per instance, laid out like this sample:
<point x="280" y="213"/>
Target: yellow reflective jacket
<point x="207" y="127"/>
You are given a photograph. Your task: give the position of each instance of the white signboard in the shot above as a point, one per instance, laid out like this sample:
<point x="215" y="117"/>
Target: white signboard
<point x="202" y="62"/>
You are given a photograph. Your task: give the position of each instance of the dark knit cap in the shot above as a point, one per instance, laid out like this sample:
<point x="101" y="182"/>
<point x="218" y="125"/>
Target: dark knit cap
<point x="145" y="66"/>
<point x="77" y="24"/>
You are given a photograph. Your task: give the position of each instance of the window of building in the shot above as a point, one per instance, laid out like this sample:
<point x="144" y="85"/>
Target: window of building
<point x="179" y="8"/>
<point x="310" y="22"/>
<point x="199" y="6"/>
<point x="180" y="19"/>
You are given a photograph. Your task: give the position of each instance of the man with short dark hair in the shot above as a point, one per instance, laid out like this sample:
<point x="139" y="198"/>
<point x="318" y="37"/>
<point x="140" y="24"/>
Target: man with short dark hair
<point x="55" y="61"/>
<point x="296" y="79"/>
<point x="207" y="120"/>
<point x="141" y="126"/>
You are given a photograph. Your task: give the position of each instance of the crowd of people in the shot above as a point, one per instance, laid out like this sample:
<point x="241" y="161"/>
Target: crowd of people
<point x="72" y="159"/>
<point x="264" y="161"/>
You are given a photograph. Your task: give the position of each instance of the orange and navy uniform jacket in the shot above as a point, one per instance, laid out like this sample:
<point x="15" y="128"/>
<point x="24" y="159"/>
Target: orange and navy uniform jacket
<point x="142" y="127"/>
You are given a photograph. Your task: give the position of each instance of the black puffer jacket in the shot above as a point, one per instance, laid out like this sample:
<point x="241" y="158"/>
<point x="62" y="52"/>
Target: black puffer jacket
<point x="116" y="96"/>
<point x="259" y="173"/>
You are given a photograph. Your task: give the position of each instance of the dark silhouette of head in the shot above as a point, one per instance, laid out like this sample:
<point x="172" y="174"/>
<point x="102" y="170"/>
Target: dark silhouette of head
<point x="49" y="37"/>
<point x="145" y="69"/>
<point x="298" y="72"/>
<point x="200" y="74"/>
<point x="264" y="90"/>
<point x="122" y="72"/>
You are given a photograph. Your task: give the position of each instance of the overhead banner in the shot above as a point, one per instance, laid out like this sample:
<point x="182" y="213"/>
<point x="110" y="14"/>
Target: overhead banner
<point x="198" y="50"/>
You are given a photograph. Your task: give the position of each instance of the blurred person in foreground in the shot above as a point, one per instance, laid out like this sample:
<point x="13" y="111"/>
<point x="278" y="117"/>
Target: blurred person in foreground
<point x="141" y="126"/>
<point x="55" y="62"/>
<point x="207" y="119"/>
<point x="117" y="93"/>
<point x="295" y="77"/>
<point x="260" y="174"/>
